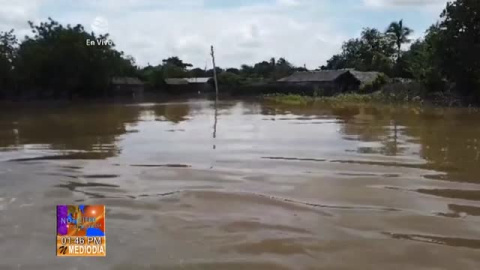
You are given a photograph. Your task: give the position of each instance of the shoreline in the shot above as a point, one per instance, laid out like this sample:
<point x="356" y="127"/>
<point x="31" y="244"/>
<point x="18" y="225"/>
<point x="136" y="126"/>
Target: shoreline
<point x="376" y="98"/>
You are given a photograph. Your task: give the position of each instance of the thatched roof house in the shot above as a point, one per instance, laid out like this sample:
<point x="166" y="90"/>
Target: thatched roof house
<point x="176" y="81"/>
<point x="126" y="81"/>
<point x="365" y="77"/>
<point x="127" y="86"/>
<point x="199" y="80"/>
<point x="193" y="85"/>
<point x="185" y="81"/>
<point x="331" y="80"/>
<point x="313" y="76"/>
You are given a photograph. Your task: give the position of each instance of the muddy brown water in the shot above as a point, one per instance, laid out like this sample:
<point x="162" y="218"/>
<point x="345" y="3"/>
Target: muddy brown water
<point x="254" y="186"/>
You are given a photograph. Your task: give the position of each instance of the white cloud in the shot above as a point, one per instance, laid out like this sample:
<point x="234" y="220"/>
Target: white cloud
<point x="246" y="34"/>
<point x="303" y="31"/>
<point x="430" y="6"/>
<point x="99" y="25"/>
<point x="15" y="14"/>
<point x="290" y="3"/>
<point x="404" y="3"/>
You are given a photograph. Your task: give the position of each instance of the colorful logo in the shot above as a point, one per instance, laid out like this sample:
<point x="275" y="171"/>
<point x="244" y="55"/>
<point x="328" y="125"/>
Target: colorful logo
<point x="81" y="230"/>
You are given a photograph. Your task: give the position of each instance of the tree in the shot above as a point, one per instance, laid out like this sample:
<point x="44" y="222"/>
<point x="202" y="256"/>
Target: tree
<point x="377" y="51"/>
<point x="56" y="60"/>
<point x="247" y="70"/>
<point x="371" y="52"/>
<point x="400" y="33"/>
<point x="154" y="76"/>
<point x="372" y="38"/>
<point x="337" y="61"/>
<point x="229" y="79"/>
<point x="459" y="46"/>
<point x="8" y="51"/>
<point x="173" y="71"/>
<point x="282" y="69"/>
<point x="177" y="62"/>
<point x="198" y="72"/>
<point x="218" y="70"/>
<point x="174" y="67"/>
<point x="264" y="69"/>
<point x="422" y="60"/>
<point x="8" y="45"/>
<point x="273" y="61"/>
<point x="233" y="70"/>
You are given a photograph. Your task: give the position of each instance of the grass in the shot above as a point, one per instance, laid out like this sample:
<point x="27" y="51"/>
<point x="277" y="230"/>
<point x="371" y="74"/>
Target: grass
<point x="353" y="97"/>
<point x="377" y="97"/>
<point x="289" y="99"/>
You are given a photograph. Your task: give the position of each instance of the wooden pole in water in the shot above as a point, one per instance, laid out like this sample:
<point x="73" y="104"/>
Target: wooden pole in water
<point x="215" y="74"/>
<point x="216" y="98"/>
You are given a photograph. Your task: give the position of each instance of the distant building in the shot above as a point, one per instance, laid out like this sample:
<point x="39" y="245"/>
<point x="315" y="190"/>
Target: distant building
<point x="185" y="81"/>
<point x="330" y="81"/>
<point x="200" y="80"/>
<point x="127" y="86"/>
<point x="185" y="85"/>
<point x="175" y="81"/>
<point x="365" y="78"/>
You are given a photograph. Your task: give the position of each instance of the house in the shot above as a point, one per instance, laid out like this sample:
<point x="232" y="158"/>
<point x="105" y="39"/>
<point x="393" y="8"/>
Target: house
<point x="127" y="86"/>
<point x="190" y="85"/>
<point x="365" y="78"/>
<point x="329" y="81"/>
<point x="188" y="81"/>
<point x="201" y="80"/>
<point x="176" y="81"/>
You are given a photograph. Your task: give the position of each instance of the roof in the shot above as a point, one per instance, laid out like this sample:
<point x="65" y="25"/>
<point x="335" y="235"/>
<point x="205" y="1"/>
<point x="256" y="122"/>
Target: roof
<point x="198" y="80"/>
<point x="183" y="81"/>
<point x="365" y="77"/>
<point x="126" y="81"/>
<point x="314" y="76"/>
<point x="176" y="81"/>
<point x="330" y="75"/>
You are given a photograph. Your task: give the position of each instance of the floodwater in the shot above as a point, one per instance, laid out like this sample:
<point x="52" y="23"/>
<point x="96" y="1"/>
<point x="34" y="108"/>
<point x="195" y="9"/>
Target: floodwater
<point x="250" y="185"/>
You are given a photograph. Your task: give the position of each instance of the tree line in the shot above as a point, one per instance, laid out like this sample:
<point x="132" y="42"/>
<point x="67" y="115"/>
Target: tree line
<point x="446" y="60"/>
<point x="55" y="60"/>
<point x="262" y="72"/>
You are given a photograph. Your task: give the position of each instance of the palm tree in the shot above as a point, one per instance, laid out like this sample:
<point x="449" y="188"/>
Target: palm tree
<point x="400" y="33"/>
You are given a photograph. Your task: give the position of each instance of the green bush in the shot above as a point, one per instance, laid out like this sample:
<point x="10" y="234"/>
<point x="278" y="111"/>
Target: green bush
<point x="230" y="79"/>
<point x="289" y="99"/>
<point x="375" y="85"/>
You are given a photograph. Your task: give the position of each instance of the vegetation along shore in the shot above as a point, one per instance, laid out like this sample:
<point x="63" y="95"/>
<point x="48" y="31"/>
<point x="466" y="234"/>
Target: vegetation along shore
<point x="442" y="67"/>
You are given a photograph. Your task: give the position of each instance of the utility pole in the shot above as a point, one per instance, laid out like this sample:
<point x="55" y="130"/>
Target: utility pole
<point x="216" y="99"/>
<point x="215" y="74"/>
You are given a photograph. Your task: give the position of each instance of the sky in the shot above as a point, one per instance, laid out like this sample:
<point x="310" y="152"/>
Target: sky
<point x="305" y="32"/>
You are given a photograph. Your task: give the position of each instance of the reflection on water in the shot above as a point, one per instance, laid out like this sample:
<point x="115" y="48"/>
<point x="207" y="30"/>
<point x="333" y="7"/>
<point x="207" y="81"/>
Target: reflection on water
<point x="245" y="185"/>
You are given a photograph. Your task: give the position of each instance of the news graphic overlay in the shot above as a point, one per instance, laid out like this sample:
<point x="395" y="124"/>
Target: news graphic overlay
<point x="81" y="231"/>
